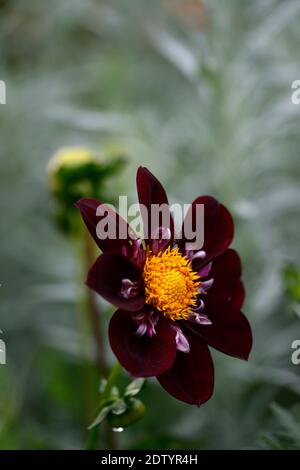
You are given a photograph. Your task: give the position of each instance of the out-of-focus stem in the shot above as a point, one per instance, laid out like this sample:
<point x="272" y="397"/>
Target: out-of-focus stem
<point x="93" y="433"/>
<point x="93" y="310"/>
<point x="95" y="322"/>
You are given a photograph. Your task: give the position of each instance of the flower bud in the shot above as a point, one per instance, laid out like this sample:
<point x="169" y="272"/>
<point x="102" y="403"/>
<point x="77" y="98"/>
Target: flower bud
<point x="135" y="410"/>
<point x="77" y="172"/>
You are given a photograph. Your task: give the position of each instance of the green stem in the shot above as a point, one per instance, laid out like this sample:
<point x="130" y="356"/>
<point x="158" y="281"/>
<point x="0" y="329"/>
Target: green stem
<point x="93" y="310"/>
<point x="111" y="381"/>
<point x="94" y="318"/>
<point x="113" y="376"/>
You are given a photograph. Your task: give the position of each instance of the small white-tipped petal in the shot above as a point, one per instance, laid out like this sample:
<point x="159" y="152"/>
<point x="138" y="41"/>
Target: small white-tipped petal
<point x="142" y="329"/>
<point x="199" y="254"/>
<point x="182" y="343"/>
<point x="203" y="272"/>
<point x="205" y="285"/>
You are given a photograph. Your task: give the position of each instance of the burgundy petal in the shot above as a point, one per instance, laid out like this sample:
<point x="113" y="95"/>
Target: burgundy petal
<point x="238" y="295"/>
<point x="150" y="192"/>
<point x="106" y="275"/>
<point x="229" y="332"/>
<point x="191" y="378"/>
<point x="142" y="356"/>
<point x="218" y="228"/>
<point x="226" y="272"/>
<point x="88" y="209"/>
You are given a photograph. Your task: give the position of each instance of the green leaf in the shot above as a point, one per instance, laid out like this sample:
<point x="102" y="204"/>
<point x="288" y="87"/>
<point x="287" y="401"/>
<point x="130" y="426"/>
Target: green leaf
<point x="289" y="422"/>
<point x="119" y="407"/>
<point x="114" y="392"/>
<point x="102" y="385"/>
<point x="101" y="416"/>
<point x="134" y="387"/>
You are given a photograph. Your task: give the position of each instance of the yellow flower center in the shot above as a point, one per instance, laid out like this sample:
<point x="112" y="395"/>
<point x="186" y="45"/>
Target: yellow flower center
<point x="170" y="284"/>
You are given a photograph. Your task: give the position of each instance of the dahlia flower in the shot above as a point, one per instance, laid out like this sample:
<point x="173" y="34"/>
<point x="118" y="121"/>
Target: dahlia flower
<point x="172" y="303"/>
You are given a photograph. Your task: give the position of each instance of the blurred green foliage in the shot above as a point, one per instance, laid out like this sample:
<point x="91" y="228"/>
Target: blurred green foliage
<point x="291" y="278"/>
<point x="207" y="107"/>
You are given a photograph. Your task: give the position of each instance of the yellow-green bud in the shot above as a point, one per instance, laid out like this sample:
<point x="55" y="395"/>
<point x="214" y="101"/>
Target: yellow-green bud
<point x="68" y="158"/>
<point x="76" y="172"/>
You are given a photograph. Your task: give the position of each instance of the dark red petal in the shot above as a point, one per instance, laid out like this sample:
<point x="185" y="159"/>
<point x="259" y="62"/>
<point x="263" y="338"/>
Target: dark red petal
<point x="105" y="277"/>
<point x="191" y="378"/>
<point x="150" y="192"/>
<point x="88" y="209"/>
<point x="230" y="331"/>
<point x="226" y="272"/>
<point x="142" y="356"/>
<point x="238" y="295"/>
<point x="218" y="227"/>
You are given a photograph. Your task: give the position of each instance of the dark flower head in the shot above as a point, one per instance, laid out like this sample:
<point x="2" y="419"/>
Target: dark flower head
<point x="172" y="302"/>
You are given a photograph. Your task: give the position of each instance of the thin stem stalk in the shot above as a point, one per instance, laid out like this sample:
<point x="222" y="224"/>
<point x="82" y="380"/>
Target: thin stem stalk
<point x="93" y="433"/>
<point x="93" y="310"/>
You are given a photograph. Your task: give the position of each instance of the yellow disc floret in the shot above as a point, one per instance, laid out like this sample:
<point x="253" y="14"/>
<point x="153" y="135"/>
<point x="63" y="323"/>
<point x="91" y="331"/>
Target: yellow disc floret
<point x="170" y="284"/>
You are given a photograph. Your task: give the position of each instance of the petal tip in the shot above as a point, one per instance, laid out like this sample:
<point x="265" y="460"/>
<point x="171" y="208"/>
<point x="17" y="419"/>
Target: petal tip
<point x="77" y="204"/>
